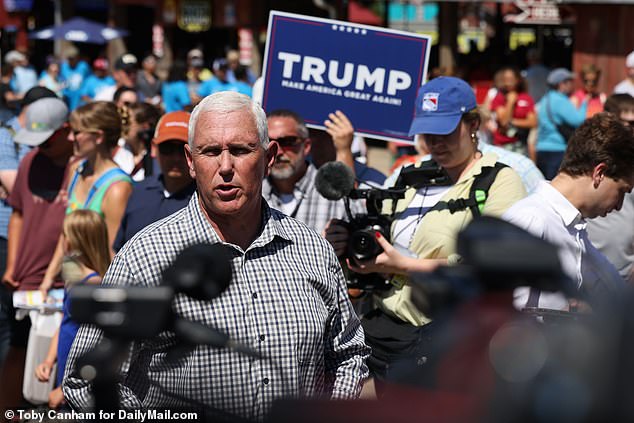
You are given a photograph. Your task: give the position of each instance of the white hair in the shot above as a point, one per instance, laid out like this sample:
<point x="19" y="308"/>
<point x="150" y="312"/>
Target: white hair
<point x="228" y="102"/>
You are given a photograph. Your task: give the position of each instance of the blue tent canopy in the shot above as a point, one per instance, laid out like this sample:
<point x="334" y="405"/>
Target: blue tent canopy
<point x="79" y="30"/>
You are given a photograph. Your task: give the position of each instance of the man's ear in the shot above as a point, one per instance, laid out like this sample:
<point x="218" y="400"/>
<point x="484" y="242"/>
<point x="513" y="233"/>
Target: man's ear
<point x="308" y="143"/>
<point x="598" y="173"/>
<point x="190" y="161"/>
<point x="271" y="154"/>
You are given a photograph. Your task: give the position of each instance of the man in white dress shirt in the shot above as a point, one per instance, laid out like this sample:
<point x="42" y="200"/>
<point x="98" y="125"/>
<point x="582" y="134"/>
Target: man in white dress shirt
<point x="594" y="176"/>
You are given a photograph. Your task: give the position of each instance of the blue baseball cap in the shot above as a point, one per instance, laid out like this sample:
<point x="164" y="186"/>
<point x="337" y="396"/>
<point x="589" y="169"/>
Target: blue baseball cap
<point x="440" y="105"/>
<point x="558" y="76"/>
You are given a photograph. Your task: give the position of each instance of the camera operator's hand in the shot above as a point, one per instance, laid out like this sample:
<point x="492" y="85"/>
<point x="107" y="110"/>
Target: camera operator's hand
<point x="336" y="233"/>
<point x="391" y="261"/>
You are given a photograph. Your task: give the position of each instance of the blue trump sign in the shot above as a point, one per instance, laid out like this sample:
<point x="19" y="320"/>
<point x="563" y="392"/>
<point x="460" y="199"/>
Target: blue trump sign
<point x="315" y="66"/>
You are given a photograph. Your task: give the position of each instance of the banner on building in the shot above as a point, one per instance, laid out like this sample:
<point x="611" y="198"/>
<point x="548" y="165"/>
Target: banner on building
<point x="315" y="66"/>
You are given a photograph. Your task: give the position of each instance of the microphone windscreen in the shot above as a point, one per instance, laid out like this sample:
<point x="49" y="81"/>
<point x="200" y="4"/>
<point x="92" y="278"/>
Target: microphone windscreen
<point x="334" y="180"/>
<point x="201" y="271"/>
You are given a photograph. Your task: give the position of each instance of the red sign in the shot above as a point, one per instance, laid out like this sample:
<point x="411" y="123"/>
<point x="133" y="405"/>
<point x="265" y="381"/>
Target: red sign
<point x="542" y="12"/>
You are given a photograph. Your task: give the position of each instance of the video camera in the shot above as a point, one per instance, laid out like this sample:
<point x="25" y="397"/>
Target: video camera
<point x="335" y="181"/>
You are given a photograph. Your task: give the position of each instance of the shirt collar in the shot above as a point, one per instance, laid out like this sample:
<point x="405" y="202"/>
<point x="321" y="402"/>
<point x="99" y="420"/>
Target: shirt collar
<point x="272" y="226"/>
<point x="303" y="185"/>
<point x="560" y="204"/>
<point x="308" y="179"/>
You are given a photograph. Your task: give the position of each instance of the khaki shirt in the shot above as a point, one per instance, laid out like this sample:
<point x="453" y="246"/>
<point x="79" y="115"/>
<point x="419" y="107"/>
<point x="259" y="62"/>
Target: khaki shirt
<point x="436" y="234"/>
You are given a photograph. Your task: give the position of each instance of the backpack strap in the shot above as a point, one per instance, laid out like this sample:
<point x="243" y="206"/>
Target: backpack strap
<point x="478" y="193"/>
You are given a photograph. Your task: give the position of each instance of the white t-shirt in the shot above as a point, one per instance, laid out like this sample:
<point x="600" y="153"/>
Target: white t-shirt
<point x="124" y="158"/>
<point x="287" y="204"/>
<point x="624" y="87"/>
<point x="405" y="226"/>
<point x="106" y="93"/>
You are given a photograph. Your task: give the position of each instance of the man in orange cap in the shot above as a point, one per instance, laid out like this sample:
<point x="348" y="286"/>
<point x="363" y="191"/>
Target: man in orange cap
<point x="161" y="194"/>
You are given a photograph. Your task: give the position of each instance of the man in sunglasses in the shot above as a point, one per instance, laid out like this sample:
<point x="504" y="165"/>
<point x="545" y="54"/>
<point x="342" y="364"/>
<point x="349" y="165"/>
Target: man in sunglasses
<point x="38" y="199"/>
<point x="158" y="196"/>
<point x="290" y="186"/>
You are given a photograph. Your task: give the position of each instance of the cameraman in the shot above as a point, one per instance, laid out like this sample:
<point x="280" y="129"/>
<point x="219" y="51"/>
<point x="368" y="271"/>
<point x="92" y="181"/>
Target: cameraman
<point x="423" y="234"/>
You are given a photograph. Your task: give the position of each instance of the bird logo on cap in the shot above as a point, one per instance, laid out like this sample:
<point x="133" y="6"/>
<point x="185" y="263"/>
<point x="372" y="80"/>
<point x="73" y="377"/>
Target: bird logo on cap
<point x="430" y="102"/>
<point x="39" y="126"/>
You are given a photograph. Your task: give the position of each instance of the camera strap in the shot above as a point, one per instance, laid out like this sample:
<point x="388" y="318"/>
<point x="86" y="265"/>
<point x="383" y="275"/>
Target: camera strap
<point x="478" y="193"/>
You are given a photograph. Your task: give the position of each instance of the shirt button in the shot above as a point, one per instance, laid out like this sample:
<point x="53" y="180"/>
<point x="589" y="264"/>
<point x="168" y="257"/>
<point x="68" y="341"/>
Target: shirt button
<point x="262" y="337"/>
<point x="255" y="295"/>
<point x="265" y="381"/>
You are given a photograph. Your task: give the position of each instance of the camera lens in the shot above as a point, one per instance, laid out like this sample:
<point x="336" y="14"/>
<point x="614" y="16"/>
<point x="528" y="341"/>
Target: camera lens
<point x="363" y="245"/>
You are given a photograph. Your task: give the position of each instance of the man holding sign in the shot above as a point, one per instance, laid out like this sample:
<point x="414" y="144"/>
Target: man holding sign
<point x="290" y="187"/>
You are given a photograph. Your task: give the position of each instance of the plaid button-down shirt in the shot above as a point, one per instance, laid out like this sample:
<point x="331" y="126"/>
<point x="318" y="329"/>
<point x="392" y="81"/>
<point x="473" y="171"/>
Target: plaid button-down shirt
<point x="287" y="300"/>
<point x="311" y="208"/>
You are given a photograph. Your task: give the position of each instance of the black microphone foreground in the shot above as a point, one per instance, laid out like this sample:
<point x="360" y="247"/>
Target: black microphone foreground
<point x="334" y="181"/>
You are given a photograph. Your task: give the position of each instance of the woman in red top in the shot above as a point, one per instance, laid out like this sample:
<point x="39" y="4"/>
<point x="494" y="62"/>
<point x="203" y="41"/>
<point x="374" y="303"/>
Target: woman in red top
<point x="590" y="75"/>
<point x="514" y="111"/>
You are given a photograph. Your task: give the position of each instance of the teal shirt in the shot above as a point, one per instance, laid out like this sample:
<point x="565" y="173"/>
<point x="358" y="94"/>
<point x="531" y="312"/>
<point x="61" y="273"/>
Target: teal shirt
<point x="561" y="110"/>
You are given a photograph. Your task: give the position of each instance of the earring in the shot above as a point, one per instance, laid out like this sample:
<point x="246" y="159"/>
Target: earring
<point x="473" y="138"/>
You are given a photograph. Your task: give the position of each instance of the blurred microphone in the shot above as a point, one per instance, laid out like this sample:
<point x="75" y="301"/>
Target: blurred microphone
<point x="334" y="181"/>
<point x="202" y="271"/>
<point x="194" y="333"/>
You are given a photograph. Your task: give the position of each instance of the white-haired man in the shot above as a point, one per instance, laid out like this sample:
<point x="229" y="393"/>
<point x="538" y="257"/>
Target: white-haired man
<point x="287" y="298"/>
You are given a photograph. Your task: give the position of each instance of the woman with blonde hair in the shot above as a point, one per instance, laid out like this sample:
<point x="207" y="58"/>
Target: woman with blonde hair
<point x="590" y="76"/>
<point x="86" y="259"/>
<point x="96" y="182"/>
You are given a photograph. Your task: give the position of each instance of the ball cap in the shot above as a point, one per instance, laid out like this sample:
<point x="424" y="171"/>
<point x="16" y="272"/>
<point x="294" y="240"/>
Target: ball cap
<point x="440" y="105"/>
<point x="126" y="62"/>
<point x="559" y="75"/>
<point x="172" y="126"/>
<point x="100" y="64"/>
<point x="629" y="60"/>
<point x="195" y="53"/>
<point x="35" y="94"/>
<point x="14" y="56"/>
<point x="220" y="64"/>
<point x="43" y="118"/>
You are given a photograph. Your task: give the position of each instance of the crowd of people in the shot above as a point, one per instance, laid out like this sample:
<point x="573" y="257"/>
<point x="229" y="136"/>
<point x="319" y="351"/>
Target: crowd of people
<point x="78" y="82"/>
<point x="106" y="178"/>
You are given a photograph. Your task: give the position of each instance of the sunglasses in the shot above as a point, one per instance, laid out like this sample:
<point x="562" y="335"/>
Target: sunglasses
<point x="169" y="148"/>
<point x="76" y="132"/>
<point x="289" y="141"/>
<point x="590" y="81"/>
